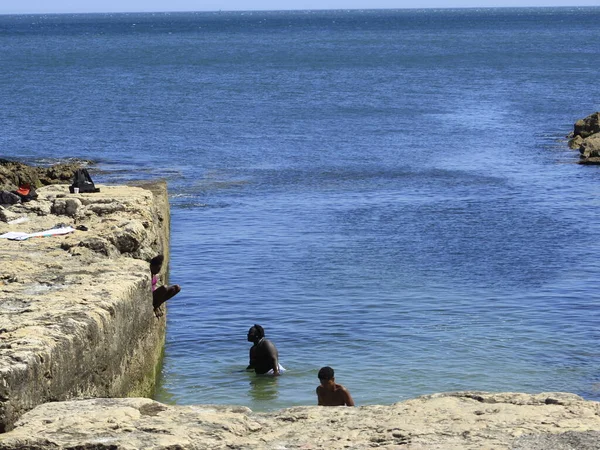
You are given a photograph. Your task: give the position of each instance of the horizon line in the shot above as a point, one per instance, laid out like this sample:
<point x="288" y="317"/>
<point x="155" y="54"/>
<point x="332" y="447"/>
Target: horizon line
<point x="291" y="10"/>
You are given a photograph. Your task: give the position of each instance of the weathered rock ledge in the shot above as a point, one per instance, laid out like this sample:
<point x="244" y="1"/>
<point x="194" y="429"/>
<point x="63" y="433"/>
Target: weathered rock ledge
<point x="76" y="316"/>
<point x="464" y="420"/>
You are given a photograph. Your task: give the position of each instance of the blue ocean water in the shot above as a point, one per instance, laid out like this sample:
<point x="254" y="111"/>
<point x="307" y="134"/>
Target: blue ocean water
<point x="388" y="192"/>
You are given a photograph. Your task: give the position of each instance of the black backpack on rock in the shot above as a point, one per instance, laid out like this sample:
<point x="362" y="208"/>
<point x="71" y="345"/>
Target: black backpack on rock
<point x="9" y="198"/>
<point x="83" y="181"/>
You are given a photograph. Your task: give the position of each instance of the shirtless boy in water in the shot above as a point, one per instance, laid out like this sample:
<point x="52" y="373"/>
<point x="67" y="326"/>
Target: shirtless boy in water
<point x="331" y="394"/>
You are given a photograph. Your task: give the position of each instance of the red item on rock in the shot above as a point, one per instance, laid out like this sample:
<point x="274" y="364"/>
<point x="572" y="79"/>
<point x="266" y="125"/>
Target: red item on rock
<point x="23" y="189"/>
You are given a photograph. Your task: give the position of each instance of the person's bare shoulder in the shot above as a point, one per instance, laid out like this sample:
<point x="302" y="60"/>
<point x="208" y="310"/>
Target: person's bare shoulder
<point x="268" y="344"/>
<point x="347" y="397"/>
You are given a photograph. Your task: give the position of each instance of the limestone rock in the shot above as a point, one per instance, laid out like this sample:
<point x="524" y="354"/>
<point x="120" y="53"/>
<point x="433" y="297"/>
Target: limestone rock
<point x="120" y="219"/>
<point x="76" y="315"/>
<point x="587" y="126"/>
<point x="586" y="138"/>
<point x="571" y="440"/>
<point x="60" y="173"/>
<point x="67" y="207"/>
<point x="590" y="146"/>
<point x="39" y="208"/>
<point x="98" y="245"/>
<point x="575" y="143"/>
<point x="130" y="237"/>
<point x="15" y="173"/>
<point x="451" y="421"/>
<point x="6" y="215"/>
<point x="589" y="161"/>
<point x="105" y="208"/>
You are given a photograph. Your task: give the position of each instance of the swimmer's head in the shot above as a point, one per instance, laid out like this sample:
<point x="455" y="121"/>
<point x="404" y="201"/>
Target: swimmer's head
<point x="256" y="333"/>
<point x="325" y="374"/>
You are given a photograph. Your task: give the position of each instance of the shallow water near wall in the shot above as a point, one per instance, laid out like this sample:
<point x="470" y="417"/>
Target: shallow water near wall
<point x="386" y="192"/>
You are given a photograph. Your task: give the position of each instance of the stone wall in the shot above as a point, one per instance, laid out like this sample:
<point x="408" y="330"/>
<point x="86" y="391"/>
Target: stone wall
<point x="76" y="316"/>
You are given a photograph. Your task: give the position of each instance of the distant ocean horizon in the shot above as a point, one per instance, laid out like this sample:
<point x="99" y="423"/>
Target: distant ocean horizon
<point x="387" y="192"/>
<point x="289" y="10"/>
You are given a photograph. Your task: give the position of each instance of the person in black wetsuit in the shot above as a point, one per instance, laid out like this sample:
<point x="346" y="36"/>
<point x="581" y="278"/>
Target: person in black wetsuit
<point x="264" y="358"/>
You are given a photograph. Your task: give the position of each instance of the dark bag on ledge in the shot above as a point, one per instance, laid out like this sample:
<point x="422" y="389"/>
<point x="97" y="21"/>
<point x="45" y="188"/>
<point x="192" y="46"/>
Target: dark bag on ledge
<point x="83" y="181"/>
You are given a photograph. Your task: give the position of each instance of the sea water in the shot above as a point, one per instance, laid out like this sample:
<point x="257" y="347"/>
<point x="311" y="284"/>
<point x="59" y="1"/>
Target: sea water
<point x="386" y="192"/>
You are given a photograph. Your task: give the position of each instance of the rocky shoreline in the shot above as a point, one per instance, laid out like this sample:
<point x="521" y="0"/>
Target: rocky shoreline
<point x="453" y="421"/>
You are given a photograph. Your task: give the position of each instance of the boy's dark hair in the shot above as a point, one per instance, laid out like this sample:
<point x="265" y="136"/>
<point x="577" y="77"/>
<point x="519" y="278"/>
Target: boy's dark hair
<point x="260" y="331"/>
<point x="326" y="373"/>
<point x="157" y="260"/>
<point x="156" y="264"/>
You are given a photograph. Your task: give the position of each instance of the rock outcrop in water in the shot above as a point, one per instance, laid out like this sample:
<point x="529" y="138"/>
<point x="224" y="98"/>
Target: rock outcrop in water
<point x="586" y="138"/>
<point x="454" y="421"/>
